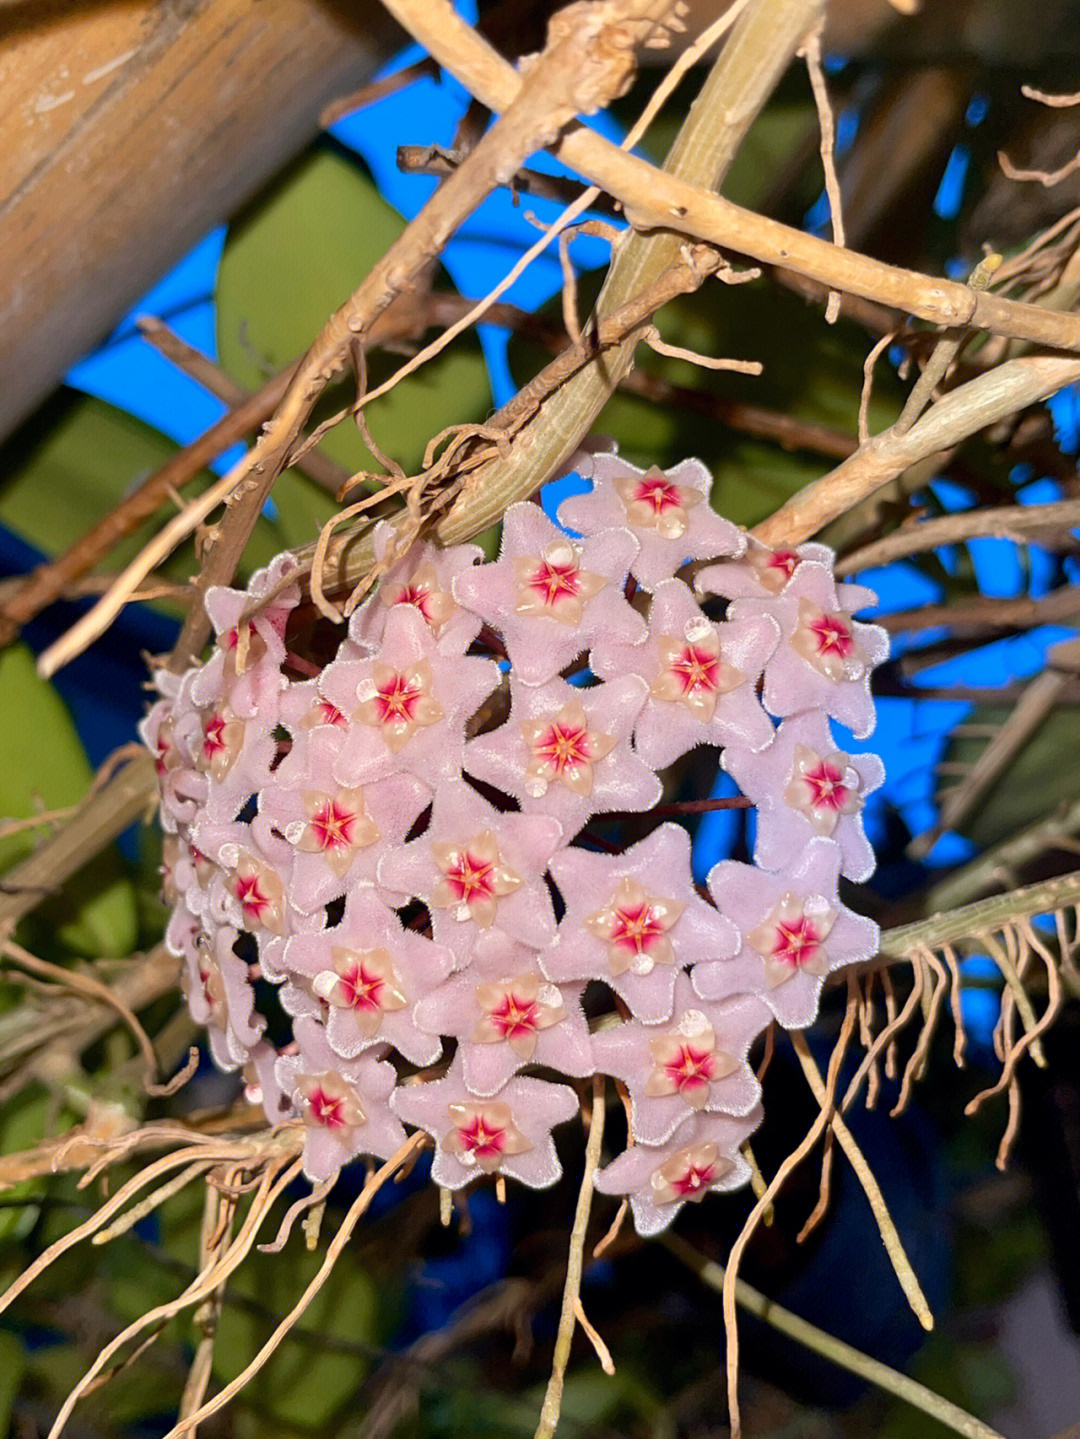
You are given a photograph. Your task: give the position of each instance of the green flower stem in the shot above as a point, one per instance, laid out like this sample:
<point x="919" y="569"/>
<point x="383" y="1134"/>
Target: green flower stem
<point x="984" y="916"/>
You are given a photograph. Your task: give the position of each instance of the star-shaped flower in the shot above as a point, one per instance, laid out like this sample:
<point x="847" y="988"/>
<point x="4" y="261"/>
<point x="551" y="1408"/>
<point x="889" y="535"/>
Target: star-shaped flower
<point x="549" y="597"/>
<point x="234" y="756"/>
<point x="504" y="1023"/>
<point x="760" y="572"/>
<point x="344" y="1103"/>
<point x="408" y="706"/>
<point x="702" y="1156"/>
<point x="261" y="1086"/>
<point x="303" y="707"/>
<point x="245" y="668"/>
<point x="369" y="972"/>
<point x="694" y="1061"/>
<point x="667" y="511"/>
<point x="509" y="1133"/>
<point x="217" y="988"/>
<point x="824" y="658"/>
<point x="423" y="578"/>
<point x="338" y="833"/>
<point x="633" y="920"/>
<point x="803" y="786"/>
<point x="565" y="751"/>
<point x="701" y="677"/>
<point x="475" y="868"/>
<point x="250" y="893"/>
<point x="794" y="931"/>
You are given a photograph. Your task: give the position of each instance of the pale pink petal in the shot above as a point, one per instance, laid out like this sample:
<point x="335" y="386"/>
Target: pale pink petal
<point x="644" y="978"/>
<point x="791" y="810"/>
<point x="708" y="1142"/>
<point x="510" y="757"/>
<point x="667" y="511"/>
<point x="545" y="639"/>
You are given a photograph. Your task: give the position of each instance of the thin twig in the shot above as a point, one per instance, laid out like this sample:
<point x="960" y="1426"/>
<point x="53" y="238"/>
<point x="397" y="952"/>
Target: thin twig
<point x="890" y="1236"/>
<point x="1013" y="522"/>
<point x="549" y="1413"/>
<point x="835" y="1350"/>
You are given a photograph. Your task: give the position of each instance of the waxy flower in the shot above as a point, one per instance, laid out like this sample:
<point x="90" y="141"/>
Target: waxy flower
<point x="337" y="833"/>
<point x="474" y="868"/>
<point x="550" y="598"/>
<point x="803" y="786"/>
<point x="701" y="1156"/>
<point x="667" y="511"/>
<point x="760" y="572"/>
<point x="370" y="972"/>
<point x="794" y="931"/>
<point x="408" y="708"/>
<point x="309" y="807"/>
<point x="423" y="578"/>
<point x="694" y="1061"/>
<point x="565" y="751"/>
<point x="509" y="1133"/>
<point x="504" y="1023"/>
<point x="247" y="658"/>
<point x="702" y="677"/>
<point x="343" y="1103"/>
<point x="824" y="658"/>
<point x="633" y="920"/>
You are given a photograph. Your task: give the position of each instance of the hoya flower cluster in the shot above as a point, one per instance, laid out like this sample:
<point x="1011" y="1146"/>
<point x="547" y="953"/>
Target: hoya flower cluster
<point x="393" y="828"/>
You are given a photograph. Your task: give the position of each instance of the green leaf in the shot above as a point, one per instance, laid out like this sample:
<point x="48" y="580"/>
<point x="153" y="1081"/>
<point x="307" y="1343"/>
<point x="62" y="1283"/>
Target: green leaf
<point x="812" y="372"/>
<point x="12" y="1367"/>
<point x="308" y="1380"/>
<point x="76" y="461"/>
<point x="292" y="260"/>
<point x="92" y="455"/>
<point x="1043" y="775"/>
<point x="45" y="766"/>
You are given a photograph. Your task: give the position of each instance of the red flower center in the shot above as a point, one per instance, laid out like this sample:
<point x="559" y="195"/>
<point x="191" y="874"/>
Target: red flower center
<point x="636" y="927"/>
<point x="551" y="581"/>
<point x="513" y="1016"/>
<point x="796" y="941"/>
<point x="785" y="560"/>
<point x="398" y="699"/>
<point x="214" y="736"/>
<point x="564" y="746"/>
<point x="696" y="668"/>
<point x="827" y="785"/>
<point x="362" y="987"/>
<point x="658" y="493"/>
<point x="418" y="595"/>
<point x="691" y="1067"/>
<point x="833" y="636"/>
<point x="471" y="878"/>
<point x="481" y="1137"/>
<point x="694" y="1178"/>
<point x="250" y="894"/>
<point x="333" y="825"/>
<point x="165" y="750"/>
<point x="327" y="1109"/>
<point x="330" y="714"/>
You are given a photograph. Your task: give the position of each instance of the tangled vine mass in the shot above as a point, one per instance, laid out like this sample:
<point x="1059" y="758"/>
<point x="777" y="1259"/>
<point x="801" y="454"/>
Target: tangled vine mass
<point x="390" y="827"/>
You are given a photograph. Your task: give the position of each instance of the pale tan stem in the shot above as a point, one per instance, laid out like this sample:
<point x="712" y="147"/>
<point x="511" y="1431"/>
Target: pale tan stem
<point x="835" y="1350"/>
<point x="660" y="200"/>
<point x="890" y="1236"/>
<point x="584" y="66"/>
<point x="961" y="413"/>
<point x="549" y="1413"/>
